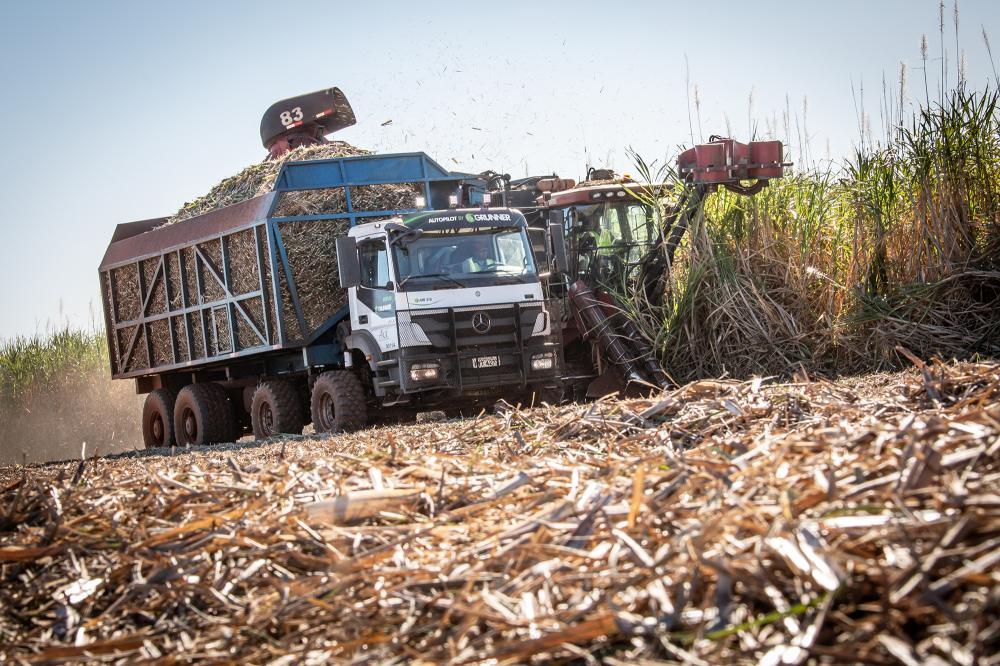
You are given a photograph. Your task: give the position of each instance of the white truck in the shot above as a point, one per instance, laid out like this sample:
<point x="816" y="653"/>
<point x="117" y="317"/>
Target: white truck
<point x="446" y="310"/>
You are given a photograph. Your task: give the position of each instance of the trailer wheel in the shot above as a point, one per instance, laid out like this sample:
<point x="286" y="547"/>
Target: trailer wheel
<point x="338" y="402"/>
<point x="202" y="415"/>
<point x="158" y="418"/>
<point x="276" y="409"/>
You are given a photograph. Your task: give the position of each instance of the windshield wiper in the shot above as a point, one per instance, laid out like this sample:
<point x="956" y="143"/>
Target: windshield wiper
<point x="443" y="276"/>
<point x="496" y="269"/>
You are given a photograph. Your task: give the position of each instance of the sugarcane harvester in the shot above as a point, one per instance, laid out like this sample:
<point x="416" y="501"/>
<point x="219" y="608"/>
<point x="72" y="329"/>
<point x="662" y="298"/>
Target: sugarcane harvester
<point x="607" y="227"/>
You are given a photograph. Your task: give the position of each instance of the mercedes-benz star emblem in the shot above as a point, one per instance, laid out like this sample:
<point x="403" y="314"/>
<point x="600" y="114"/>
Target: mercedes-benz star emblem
<point x="481" y="322"/>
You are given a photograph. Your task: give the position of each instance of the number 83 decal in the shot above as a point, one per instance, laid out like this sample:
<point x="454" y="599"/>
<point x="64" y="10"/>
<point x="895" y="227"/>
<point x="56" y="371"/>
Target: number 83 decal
<point x="289" y="117"/>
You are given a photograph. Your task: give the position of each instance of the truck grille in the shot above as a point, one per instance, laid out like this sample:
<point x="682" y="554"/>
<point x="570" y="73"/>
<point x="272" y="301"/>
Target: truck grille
<point x="475" y="329"/>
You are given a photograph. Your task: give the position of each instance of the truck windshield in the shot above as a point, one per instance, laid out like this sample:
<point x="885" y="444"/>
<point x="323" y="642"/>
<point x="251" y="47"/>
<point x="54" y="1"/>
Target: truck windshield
<point x="451" y="258"/>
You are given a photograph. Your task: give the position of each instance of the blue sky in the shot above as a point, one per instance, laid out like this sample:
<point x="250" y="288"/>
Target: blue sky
<point x="117" y="111"/>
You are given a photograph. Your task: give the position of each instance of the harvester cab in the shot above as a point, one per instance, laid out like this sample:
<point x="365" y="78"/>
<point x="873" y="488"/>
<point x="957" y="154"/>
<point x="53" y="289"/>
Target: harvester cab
<point x="304" y="120"/>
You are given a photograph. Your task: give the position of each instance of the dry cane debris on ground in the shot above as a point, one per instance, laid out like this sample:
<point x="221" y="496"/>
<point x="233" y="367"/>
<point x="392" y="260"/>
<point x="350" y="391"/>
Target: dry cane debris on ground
<point x="850" y="521"/>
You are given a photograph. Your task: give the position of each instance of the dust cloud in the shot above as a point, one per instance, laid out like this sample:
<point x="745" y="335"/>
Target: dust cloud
<point x="56" y="422"/>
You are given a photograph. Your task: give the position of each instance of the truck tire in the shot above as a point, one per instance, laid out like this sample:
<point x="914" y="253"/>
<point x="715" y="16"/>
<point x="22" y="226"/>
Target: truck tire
<point x="202" y="415"/>
<point x="158" y="418"/>
<point x="338" y="402"/>
<point x="276" y="409"/>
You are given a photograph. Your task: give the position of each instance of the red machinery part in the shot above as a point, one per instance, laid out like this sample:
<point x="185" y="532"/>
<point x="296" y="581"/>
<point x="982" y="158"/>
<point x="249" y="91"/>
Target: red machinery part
<point x="591" y="320"/>
<point x="766" y="159"/>
<point x="292" y="140"/>
<point x="304" y="120"/>
<point x="723" y="160"/>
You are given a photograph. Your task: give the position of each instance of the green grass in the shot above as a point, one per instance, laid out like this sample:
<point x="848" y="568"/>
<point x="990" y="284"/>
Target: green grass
<point x="57" y="398"/>
<point x="835" y="270"/>
<point x="33" y="364"/>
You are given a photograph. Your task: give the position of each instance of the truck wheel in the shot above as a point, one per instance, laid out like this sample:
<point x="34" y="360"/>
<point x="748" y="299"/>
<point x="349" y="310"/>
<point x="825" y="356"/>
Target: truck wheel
<point x="158" y="418"/>
<point x="202" y="415"/>
<point x="276" y="409"/>
<point x="338" y="402"/>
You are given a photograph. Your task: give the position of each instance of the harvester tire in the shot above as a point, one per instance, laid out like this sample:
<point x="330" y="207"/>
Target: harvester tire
<point x="276" y="409"/>
<point x="202" y="415"/>
<point x="158" y="418"/>
<point x="338" y="402"/>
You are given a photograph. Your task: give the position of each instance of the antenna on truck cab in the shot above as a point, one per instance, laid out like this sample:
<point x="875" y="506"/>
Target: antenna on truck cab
<point x="304" y="120"/>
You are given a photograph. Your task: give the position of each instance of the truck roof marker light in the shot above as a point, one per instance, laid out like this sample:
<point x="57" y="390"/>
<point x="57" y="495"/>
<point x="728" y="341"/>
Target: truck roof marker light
<point x="419" y="202"/>
<point x="453" y="201"/>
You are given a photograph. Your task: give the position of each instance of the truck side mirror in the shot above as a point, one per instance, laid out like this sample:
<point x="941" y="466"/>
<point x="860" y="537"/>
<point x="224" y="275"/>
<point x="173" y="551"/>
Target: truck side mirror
<point x="557" y="237"/>
<point x="348" y="266"/>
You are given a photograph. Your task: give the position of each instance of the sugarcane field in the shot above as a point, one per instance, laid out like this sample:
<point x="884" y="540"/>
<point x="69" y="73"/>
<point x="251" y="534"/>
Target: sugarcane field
<point x="658" y="334"/>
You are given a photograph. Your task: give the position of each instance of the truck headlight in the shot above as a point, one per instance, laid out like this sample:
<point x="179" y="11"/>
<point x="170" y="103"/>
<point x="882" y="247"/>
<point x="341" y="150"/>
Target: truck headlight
<point x="424" y="372"/>
<point x="542" y="361"/>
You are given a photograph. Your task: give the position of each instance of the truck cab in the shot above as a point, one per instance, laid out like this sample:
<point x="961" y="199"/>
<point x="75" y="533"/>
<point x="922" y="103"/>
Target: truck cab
<point x="447" y="308"/>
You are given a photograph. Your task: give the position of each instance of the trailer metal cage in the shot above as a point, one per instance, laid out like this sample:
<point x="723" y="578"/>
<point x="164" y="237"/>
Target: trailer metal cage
<point x="228" y="284"/>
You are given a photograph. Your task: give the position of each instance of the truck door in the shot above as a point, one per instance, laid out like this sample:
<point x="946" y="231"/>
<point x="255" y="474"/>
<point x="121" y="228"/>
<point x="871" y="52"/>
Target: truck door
<point x="376" y="305"/>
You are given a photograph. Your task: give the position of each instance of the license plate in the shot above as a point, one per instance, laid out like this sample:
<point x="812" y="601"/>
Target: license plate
<point x="486" y="362"/>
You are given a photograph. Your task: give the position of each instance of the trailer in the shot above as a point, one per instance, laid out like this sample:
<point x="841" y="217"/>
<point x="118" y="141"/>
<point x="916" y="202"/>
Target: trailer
<point x="229" y="320"/>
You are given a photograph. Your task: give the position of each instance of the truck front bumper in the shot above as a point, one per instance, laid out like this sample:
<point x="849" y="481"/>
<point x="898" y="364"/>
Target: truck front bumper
<point x="509" y="354"/>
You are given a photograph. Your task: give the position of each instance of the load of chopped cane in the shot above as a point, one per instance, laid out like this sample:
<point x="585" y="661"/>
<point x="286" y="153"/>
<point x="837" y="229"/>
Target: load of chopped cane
<point x="258" y="179"/>
<point x="855" y="520"/>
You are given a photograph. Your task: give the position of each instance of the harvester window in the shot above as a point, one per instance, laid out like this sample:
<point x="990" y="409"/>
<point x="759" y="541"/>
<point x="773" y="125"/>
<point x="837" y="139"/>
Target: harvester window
<point x="610" y="229"/>
<point x="374" y="265"/>
<point x="640" y="222"/>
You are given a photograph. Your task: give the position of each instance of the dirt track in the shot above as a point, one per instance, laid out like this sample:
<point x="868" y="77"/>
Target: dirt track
<point x="728" y="521"/>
